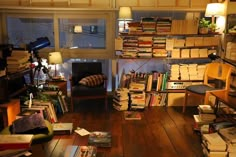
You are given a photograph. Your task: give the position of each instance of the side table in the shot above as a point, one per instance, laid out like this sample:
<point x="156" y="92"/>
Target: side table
<point x="62" y="85"/>
<point x="9" y="111"/>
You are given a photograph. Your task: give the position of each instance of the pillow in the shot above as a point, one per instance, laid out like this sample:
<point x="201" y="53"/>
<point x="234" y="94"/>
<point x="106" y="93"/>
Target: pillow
<point x="93" y="80"/>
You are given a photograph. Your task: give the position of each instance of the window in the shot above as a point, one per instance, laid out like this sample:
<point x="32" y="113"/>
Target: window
<point x="82" y="33"/>
<point x="23" y="30"/>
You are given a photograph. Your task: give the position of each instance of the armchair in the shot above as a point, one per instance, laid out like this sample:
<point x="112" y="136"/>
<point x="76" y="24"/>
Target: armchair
<point x="88" y="82"/>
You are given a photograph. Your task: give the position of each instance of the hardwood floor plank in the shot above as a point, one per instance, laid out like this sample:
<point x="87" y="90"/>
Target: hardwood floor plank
<point x="162" y="132"/>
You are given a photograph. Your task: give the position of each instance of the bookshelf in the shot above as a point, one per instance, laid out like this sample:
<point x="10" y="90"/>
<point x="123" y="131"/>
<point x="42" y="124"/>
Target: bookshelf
<point x="157" y="49"/>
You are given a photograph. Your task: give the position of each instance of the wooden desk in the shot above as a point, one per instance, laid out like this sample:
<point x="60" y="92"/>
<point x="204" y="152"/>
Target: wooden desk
<point x="222" y="96"/>
<point x="9" y="111"/>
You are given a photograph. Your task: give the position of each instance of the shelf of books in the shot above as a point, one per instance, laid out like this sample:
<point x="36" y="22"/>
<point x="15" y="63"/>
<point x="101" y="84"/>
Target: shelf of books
<point x="161" y="38"/>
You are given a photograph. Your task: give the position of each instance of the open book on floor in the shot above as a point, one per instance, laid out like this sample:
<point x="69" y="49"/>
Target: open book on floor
<point x="100" y="139"/>
<point x="132" y="115"/>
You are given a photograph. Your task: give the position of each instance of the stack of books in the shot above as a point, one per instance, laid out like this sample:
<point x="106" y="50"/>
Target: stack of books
<point x="205" y="117"/>
<point x="206" y="113"/>
<point x="163" y="25"/>
<point x="137" y="96"/>
<point x="19" y="60"/>
<point x="159" y="47"/>
<point x="229" y="135"/>
<point x="121" y="99"/>
<point x="149" y="25"/>
<point x="145" y="46"/>
<point x="214" y="145"/>
<point x="130" y="46"/>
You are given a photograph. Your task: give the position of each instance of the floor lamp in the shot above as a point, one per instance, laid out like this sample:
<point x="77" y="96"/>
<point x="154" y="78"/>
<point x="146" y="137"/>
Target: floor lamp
<point x="55" y="58"/>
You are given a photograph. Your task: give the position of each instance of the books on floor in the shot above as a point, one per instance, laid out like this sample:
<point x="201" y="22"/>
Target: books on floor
<point x="80" y="151"/>
<point x="229" y="134"/>
<point x="100" y="139"/>
<point x="132" y="115"/>
<point x="214" y="142"/>
<point x="15" y="141"/>
<point x="62" y="128"/>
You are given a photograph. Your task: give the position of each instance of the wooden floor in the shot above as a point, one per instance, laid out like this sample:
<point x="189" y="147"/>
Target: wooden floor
<point x="162" y="132"/>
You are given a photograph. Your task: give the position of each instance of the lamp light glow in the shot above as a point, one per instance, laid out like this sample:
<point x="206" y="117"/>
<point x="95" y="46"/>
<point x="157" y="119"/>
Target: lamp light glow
<point x="214" y="10"/>
<point x="125" y="14"/>
<point x="55" y="58"/>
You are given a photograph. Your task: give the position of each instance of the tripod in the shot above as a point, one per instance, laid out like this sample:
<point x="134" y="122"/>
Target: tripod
<point x="38" y="68"/>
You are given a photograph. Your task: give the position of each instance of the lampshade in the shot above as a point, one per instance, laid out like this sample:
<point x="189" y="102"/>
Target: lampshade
<point x="54" y="58"/>
<point x="125" y="13"/>
<point x="214" y="9"/>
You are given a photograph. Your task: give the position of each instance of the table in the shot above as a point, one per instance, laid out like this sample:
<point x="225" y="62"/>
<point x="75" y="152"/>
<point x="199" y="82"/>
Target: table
<point x="62" y="85"/>
<point x="223" y="96"/>
<point x="9" y="111"/>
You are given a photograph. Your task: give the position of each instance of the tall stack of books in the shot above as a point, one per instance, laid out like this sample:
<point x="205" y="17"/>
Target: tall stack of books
<point x="137" y="96"/>
<point x="214" y="145"/>
<point x="121" y="99"/>
<point x="19" y="60"/>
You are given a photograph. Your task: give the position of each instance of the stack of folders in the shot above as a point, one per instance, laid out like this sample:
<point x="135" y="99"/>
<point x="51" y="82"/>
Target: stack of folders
<point x="184" y="73"/>
<point x="174" y="72"/>
<point x="192" y="68"/>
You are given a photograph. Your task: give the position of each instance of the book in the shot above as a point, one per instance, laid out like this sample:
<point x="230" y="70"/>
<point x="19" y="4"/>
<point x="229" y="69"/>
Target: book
<point x="132" y="115"/>
<point x="14" y="152"/>
<point x="15" y="141"/>
<point x="100" y="139"/>
<point x="80" y="151"/>
<point x="229" y="134"/>
<point x="205" y="109"/>
<point x="62" y="128"/>
<point x="214" y="139"/>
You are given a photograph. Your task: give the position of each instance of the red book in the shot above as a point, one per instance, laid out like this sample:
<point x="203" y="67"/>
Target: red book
<point x="15" y="141"/>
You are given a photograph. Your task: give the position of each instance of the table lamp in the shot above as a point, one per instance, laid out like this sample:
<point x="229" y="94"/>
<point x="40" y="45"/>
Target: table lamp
<point x="55" y="58"/>
<point x="125" y="14"/>
<point x="214" y="10"/>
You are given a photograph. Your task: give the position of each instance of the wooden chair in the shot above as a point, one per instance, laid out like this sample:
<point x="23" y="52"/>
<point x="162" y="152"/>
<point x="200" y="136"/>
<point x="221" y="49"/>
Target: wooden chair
<point x="214" y="72"/>
<point x="80" y="92"/>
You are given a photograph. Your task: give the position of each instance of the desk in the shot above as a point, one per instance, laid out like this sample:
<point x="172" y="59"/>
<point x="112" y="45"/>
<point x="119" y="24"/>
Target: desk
<point x="222" y="96"/>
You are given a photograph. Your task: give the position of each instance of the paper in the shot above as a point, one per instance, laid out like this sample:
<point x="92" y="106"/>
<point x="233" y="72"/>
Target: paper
<point x="82" y="132"/>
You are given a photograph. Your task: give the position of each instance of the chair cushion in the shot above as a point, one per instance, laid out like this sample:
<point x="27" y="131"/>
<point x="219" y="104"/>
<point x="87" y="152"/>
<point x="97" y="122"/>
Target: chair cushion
<point x="93" y="80"/>
<point x="81" y="90"/>
<point x="199" y="89"/>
